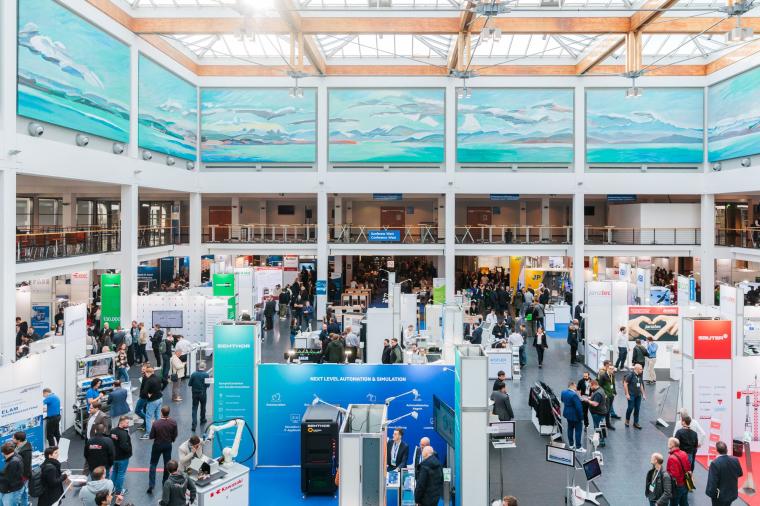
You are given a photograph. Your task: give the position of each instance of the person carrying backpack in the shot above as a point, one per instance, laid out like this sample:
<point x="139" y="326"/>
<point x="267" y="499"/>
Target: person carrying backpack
<point x="176" y="487"/>
<point x="47" y="480"/>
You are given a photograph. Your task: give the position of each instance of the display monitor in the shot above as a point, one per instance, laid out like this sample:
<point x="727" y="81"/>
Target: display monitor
<point x="560" y="455"/>
<point x="168" y="319"/>
<point x="502" y="429"/>
<point x="444" y="420"/>
<point x="592" y="468"/>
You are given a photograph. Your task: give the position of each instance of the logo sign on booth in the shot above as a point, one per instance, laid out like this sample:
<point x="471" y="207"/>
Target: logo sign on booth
<point x="387" y="197"/>
<point x="21" y="409"/>
<point x="712" y="340"/>
<point x="41" y="318"/>
<point x="110" y="301"/>
<point x="321" y="287"/>
<point x="384" y="235"/>
<point x="285" y="391"/>
<point x="224" y="286"/>
<point x="658" y="322"/>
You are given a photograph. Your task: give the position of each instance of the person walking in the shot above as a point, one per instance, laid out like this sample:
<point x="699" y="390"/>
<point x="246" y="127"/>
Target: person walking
<point x="429" y="486"/>
<point x="658" y="489"/>
<point x="678" y="466"/>
<point x="177" y="372"/>
<point x="155" y="341"/>
<point x="584" y="390"/>
<point x="622" y="345"/>
<point x="167" y="351"/>
<point x="133" y="346"/>
<point x="723" y="477"/>
<point x="397" y="356"/>
<point x="117" y="400"/>
<point x="177" y="487"/>
<point x="572" y="411"/>
<point x="541" y="344"/>
<point x="142" y="343"/>
<point x="11" y="476"/>
<point x="651" y="360"/>
<point x="99" y="449"/>
<point x="334" y="353"/>
<point x="24" y="450"/>
<point x="163" y="433"/>
<point x="51" y="478"/>
<point x="517" y="340"/>
<point x="122" y="453"/>
<point x="572" y="340"/>
<point x="633" y="385"/>
<point x="52" y="405"/>
<point x="688" y="439"/>
<point x="607" y="382"/>
<point x="122" y="364"/>
<point x="198" y="387"/>
<point x="638" y="354"/>
<point x="98" y="484"/>
<point x="150" y="390"/>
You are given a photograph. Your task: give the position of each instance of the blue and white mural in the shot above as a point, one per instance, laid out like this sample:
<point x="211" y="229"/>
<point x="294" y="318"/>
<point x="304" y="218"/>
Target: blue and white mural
<point x="733" y="118"/>
<point x="515" y="126"/>
<point x="664" y="125"/>
<point x="386" y="125"/>
<point x="71" y="73"/>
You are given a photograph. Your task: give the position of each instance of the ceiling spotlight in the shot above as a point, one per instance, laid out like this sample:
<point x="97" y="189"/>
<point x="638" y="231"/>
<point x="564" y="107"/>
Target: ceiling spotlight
<point x="35" y="129"/>
<point x="746" y="162"/>
<point x="82" y="140"/>
<point x="170" y="161"/>
<point x="189" y="165"/>
<point x="491" y="8"/>
<point x="633" y="92"/>
<point x="147" y="155"/>
<point x="717" y="167"/>
<point x="739" y="33"/>
<point x="118" y="148"/>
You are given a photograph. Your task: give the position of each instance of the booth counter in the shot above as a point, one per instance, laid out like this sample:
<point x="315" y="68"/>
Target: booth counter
<point x="499" y="359"/>
<point x="232" y="488"/>
<point x="596" y="354"/>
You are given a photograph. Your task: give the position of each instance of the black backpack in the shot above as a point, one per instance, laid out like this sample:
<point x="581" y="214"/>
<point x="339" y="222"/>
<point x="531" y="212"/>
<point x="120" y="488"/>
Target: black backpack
<point x="36" y="487"/>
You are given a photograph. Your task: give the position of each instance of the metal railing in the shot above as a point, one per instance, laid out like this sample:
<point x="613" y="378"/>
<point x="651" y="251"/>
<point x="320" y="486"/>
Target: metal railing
<point x="150" y="237"/>
<point x="631" y="236"/>
<point x="738" y="237"/>
<point x="260" y="233"/>
<point x="364" y="234"/>
<point x="513" y="234"/>
<point x="47" y="243"/>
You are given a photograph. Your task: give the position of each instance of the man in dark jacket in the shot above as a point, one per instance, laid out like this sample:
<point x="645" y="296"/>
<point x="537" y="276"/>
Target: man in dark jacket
<point x="122" y="453"/>
<point x="155" y="341"/>
<point x="51" y="477"/>
<point x="11" y="477"/>
<point x="99" y="449"/>
<point x="198" y="387"/>
<point x="269" y="311"/>
<point x="429" y="486"/>
<point x="335" y="351"/>
<point x="502" y="407"/>
<point x="572" y="340"/>
<point x="24" y="450"/>
<point x="688" y="440"/>
<point x="397" y="355"/>
<point x="176" y="487"/>
<point x="723" y="477"/>
<point x="163" y="433"/>
<point x="386" y="358"/>
<point x="477" y="334"/>
<point x="397" y="451"/>
<point x="284" y="300"/>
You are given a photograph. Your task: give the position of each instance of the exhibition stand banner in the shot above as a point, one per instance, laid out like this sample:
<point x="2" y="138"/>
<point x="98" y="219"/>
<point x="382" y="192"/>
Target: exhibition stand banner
<point x="75" y="335"/>
<point x="642" y="285"/>
<point x="285" y="391"/>
<point x="41" y="318"/>
<point x="598" y="311"/>
<point x="80" y="288"/>
<point x="712" y="390"/>
<point x="439" y="290"/>
<point x="215" y="312"/>
<point x="244" y="285"/>
<point x="234" y="358"/>
<point x="747" y="388"/>
<point x="110" y="299"/>
<point x="266" y="280"/>
<point x="657" y="322"/>
<point x="21" y="410"/>
<point x="683" y="288"/>
<point x="224" y="286"/>
<point x="624" y="272"/>
<point x="289" y="269"/>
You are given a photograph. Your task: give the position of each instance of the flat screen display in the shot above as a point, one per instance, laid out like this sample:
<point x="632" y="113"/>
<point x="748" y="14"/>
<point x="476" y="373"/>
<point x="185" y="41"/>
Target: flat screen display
<point x="592" y="469"/>
<point x="559" y="455"/>
<point x="168" y="319"/>
<point x="444" y="420"/>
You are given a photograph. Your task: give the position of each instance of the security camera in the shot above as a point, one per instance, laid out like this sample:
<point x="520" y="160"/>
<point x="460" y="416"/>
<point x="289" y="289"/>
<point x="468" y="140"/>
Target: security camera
<point x="147" y="155"/>
<point x="170" y="161"/>
<point x="118" y="148"/>
<point x="189" y="165"/>
<point x="717" y="167"/>
<point x="82" y="140"/>
<point x="35" y="129"/>
<point x="746" y="162"/>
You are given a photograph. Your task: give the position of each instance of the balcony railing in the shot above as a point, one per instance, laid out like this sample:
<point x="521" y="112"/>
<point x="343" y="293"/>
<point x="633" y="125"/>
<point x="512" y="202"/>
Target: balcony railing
<point x="631" y="236"/>
<point x="738" y="237"/>
<point x="47" y="243"/>
<point x="150" y="237"/>
<point x="260" y="234"/>
<point x="373" y="234"/>
<point x="513" y="234"/>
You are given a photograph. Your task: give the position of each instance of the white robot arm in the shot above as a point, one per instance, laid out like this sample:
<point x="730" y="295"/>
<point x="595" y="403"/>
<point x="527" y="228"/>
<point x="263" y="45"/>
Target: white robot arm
<point x="229" y="453"/>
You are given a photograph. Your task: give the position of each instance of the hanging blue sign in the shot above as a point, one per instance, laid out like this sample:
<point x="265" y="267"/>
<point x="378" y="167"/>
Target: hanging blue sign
<point x="386" y="197"/>
<point x="321" y="287"/>
<point x="41" y="318"/>
<point x="504" y="196"/>
<point x="384" y="235"/>
<point x="621" y="199"/>
<point x="692" y="289"/>
<point x="286" y="390"/>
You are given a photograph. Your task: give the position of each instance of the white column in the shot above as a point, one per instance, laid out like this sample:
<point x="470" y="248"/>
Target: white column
<point x="448" y="250"/>
<point x="195" y="239"/>
<point x="322" y="250"/>
<point x="67" y="212"/>
<point x="263" y="212"/>
<point x="129" y="218"/>
<point x="7" y="263"/>
<point x="338" y="220"/>
<point x="235" y="203"/>
<point x="442" y="217"/>
<point x="134" y="111"/>
<point x="545" y="218"/>
<point x="707" y="250"/>
<point x="577" y="249"/>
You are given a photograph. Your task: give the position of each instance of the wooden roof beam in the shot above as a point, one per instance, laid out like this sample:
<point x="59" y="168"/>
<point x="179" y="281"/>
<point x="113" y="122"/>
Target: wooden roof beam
<point x="463" y="30"/>
<point x="599" y="51"/>
<point x="653" y="10"/>
<point x="735" y="56"/>
<point x="307" y="44"/>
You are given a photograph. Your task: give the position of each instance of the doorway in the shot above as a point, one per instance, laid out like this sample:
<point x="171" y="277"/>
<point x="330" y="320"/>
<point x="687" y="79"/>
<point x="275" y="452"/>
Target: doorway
<point x="477" y="216"/>
<point x="392" y="217"/>
<point x="221" y="216"/>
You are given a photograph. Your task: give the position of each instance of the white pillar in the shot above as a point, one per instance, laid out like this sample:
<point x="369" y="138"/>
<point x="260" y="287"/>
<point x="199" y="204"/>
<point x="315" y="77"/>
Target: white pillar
<point x="195" y="239"/>
<point x="322" y="250"/>
<point x="235" y="203"/>
<point x="338" y="220"/>
<point x="448" y="249"/>
<point x="578" y="250"/>
<point x="129" y="217"/>
<point x="707" y="250"/>
<point x="7" y="263"/>
<point x="263" y="212"/>
<point x="442" y="217"/>
<point x="545" y="218"/>
<point x="68" y="210"/>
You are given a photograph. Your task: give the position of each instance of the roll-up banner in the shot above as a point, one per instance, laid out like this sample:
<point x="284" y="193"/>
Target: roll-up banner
<point x="224" y="286"/>
<point x="41" y="318"/>
<point x="439" y="290"/>
<point x="683" y="290"/>
<point x="80" y="287"/>
<point x="110" y="299"/>
<point x="712" y="391"/>
<point x="21" y="410"/>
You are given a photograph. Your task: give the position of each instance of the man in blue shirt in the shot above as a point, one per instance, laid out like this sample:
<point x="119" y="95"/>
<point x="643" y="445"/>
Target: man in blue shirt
<point x="652" y="346"/>
<point x="198" y="387"/>
<point x="52" y="405"/>
<point x="573" y="413"/>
